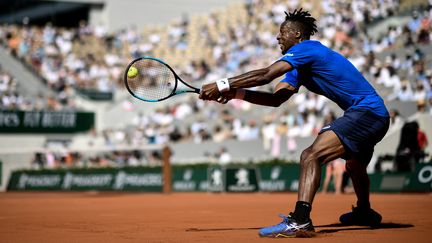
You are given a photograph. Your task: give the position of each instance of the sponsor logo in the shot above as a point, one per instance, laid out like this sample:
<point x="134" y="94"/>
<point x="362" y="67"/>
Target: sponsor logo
<point x="187" y="175"/>
<point x="242" y="177"/>
<point x="9" y="119"/>
<point x="215" y="180"/>
<point x="34" y="181"/>
<point x="93" y="180"/>
<point x="186" y="184"/>
<point x="294" y="185"/>
<point x="425" y="175"/>
<point x="124" y="179"/>
<point x="275" y="172"/>
<point x="242" y="181"/>
<point x="274" y="184"/>
<point x="203" y="185"/>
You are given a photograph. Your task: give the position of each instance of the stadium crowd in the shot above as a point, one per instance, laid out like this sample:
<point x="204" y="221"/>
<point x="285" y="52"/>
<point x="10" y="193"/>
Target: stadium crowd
<point x="67" y="159"/>
<point x="407" y="75"/>
<point x="9" y="97"/>
<point x="221" y="44"/>
<point x="12" y="99"/>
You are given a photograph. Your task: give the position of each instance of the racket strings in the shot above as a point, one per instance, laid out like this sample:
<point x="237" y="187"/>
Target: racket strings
<point x="154" y="80"/>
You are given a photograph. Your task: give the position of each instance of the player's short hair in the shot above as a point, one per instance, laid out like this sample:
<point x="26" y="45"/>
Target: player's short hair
<point x="304" y="20"/>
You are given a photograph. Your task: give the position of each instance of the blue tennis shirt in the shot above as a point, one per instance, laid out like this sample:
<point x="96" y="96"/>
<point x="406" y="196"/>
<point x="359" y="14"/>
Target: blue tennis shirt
<point x="326" y="72"/>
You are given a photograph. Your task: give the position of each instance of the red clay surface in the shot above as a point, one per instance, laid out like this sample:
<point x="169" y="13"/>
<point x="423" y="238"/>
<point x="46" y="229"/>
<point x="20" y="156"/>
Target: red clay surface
<point x="199" y="217"/>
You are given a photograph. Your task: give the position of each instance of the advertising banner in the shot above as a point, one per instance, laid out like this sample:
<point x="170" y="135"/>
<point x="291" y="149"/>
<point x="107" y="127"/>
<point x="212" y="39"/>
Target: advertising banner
<point x="190" y="178"/>
<point x="213" y="178"/>
<point x="421" y="179"/>
<point x="127" y="179"/>
<point x="279" y="177"/>
<point x="241" y="179"/>
<point x="13" y="121"/>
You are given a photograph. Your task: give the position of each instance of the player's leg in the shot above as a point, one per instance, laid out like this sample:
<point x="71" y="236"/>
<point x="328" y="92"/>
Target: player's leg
<point x="366" y="131"/>
<point x="344" y="137"/>
<point x="325" y="148"/>
<point x="362" y="214"/>
<point x="360" y="180"/>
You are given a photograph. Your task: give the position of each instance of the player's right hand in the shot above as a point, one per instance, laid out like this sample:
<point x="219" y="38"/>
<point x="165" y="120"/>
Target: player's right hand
<point x="209" y="92"/>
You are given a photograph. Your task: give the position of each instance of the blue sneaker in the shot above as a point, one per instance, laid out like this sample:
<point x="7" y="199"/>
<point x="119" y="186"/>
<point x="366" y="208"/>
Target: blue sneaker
<point x="289" y="227"/>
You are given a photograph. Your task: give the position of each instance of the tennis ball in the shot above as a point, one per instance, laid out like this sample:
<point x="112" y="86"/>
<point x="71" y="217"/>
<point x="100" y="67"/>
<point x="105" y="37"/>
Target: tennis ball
<point x="132" y="72"/>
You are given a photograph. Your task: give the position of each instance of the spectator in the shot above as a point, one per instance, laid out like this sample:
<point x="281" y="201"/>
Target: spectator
<point x="395" y="119"/>
<point x="420" y="92"/>
<point x="335" y="170"/>
<point x="404" y="93"/>
<point x="423" y="143"/>
<point x="223" y="156"/>
<point x="280" y="130"/>
<point x="268" y="132"/>
<point x="408" y="150"/>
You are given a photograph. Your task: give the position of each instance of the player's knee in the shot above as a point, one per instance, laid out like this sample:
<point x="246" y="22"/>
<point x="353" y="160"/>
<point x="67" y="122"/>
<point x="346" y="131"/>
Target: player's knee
<point x="305" y="154"/>
<point x="352" y="166"/>
<point x="348" y="167"/>
<point x="310" y="155"/>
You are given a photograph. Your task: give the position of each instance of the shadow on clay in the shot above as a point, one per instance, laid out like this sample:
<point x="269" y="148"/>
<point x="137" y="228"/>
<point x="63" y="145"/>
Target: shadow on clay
<point x="333" y="228"/>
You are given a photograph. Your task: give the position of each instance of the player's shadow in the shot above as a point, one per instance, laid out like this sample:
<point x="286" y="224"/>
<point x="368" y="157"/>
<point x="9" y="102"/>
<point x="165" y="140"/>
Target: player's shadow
<point x="340" y="227"/>
<point x="221" y="229"/>
<point x="332" y="228"/>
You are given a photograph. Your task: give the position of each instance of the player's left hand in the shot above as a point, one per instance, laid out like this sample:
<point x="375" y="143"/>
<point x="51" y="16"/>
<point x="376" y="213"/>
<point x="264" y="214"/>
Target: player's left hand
<point x="209" y="92"/>
<point x="227" y="96"/>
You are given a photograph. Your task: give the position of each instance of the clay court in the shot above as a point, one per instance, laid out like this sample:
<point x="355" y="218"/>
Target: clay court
<point x="199" y="217"/>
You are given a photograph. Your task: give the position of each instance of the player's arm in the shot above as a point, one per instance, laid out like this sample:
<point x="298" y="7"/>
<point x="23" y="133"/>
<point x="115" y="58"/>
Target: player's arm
<point x="282" y="93"/>
<point x="250" y="79"/>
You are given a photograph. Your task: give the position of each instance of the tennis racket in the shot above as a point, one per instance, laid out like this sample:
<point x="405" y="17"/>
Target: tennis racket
<point x="153" y="80"/>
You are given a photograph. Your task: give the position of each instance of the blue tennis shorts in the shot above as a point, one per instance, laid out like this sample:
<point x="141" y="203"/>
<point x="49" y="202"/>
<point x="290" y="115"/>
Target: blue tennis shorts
<point x="359" y="131"/>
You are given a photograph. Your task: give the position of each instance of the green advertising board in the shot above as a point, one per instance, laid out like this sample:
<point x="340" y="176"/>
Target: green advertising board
<point x="189" y="178"/>
<point x="216" y="178"/>
<point x="109" y="179"/>
<point x="418" y="181"/>
<point x="279" y="177"/>
<point x="13" y="121"/>
<point x="394" y="182"/>
<point x="421" y="179"/>
<point x="205" y="177"/>
<point x="241" y="179"/>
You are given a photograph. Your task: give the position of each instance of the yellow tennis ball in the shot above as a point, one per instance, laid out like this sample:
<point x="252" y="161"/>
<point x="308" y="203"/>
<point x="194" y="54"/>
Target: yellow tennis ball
<point x="132" y="72"/>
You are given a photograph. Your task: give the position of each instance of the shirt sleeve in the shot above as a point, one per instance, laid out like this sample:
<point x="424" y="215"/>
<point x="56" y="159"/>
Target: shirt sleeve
<point x="299" y="55"/>
<point x="292" y="79"/>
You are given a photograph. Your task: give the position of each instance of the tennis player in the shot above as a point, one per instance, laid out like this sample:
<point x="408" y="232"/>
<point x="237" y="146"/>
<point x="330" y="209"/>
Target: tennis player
<point x="352" y="137"/>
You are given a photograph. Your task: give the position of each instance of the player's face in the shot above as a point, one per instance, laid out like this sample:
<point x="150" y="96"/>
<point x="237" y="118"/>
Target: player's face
<point x="287" y="37"/>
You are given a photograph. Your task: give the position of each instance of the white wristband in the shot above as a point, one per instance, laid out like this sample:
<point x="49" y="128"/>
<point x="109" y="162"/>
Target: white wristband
<point x="223" y="85"/>
<point x="240" y="94"/>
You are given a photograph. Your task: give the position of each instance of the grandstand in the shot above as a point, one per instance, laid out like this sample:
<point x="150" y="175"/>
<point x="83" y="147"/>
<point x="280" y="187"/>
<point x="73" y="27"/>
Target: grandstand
<point x="73" y="62"/>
